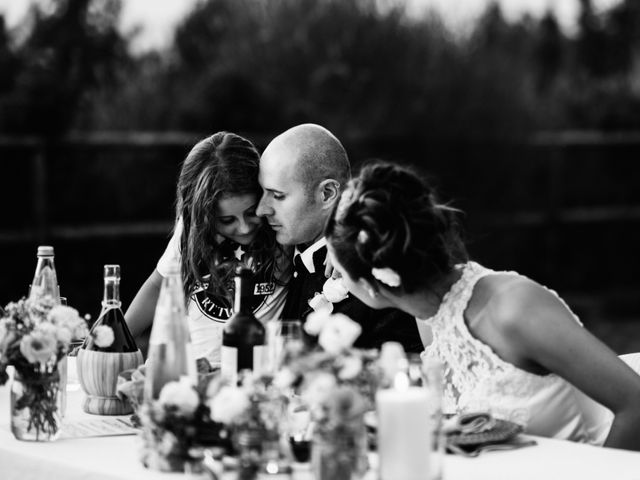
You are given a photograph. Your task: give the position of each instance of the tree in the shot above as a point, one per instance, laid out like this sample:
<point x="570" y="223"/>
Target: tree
<point x="67" y="52"/>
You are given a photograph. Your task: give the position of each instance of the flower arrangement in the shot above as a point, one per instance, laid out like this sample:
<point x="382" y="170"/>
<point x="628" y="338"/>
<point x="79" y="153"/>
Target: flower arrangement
<point x="253" y="412"/>
<point x="337" y="384"/>
<point x="177" y="426"/>
<point x="35" y="335"/>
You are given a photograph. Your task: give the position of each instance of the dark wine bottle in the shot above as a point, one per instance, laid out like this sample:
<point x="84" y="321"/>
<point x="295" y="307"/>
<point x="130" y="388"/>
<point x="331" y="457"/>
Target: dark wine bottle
<point x="112" y="316"/>
<point x="243" y="337"/>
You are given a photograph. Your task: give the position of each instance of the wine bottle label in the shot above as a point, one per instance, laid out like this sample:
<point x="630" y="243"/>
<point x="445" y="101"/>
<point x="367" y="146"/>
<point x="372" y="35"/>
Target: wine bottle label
<point x="260" y="359"/>
<point x="229" y="364"/>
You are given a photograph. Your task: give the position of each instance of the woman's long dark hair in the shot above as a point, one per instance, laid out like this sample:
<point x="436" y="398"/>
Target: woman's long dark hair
<point x="222" y="165"/>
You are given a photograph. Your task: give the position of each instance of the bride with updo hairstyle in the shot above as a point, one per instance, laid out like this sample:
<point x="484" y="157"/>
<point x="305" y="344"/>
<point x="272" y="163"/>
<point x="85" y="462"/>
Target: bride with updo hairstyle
<point x="508" y="345"/>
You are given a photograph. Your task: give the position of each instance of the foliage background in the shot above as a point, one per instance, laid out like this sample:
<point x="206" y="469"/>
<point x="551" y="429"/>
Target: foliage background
<point x="470" y="108"/>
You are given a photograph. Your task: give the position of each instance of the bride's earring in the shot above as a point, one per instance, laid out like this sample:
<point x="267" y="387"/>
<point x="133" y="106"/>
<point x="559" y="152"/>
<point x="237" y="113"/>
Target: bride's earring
<point x="372" y="293"/>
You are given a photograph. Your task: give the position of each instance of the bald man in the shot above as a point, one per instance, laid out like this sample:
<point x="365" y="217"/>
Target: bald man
<point x="302" y="173"/>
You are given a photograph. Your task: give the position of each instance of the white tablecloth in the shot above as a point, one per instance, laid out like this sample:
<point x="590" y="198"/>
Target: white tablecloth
<point x="117" y="458"/>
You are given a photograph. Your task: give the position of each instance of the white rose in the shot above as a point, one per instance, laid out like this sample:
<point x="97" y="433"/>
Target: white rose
<point x="64" y="315"/>
<point x="351" y="367"/>
<point x="46" y="328"/>
<point x="334" y="290"/>
<point x="284" y="378"/>
<point x="338" y="333"/>
<point x="319" y="389"/>
<point x="103" y="336"/>
<point x="63" y="335"/>
<point x="38" y="347"/>
<point x="229" y="404"/>
<point x="320" y="303"/>
<point x="80" y="330"/>
<point x="315" y="321"/>
<point x="180" y="395"/>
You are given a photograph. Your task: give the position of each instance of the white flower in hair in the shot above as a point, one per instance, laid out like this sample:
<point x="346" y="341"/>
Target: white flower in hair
<point x="387" y="276"/>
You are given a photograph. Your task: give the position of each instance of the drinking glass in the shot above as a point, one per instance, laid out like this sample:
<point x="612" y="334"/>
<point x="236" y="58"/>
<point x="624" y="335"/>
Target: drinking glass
<point x="282" y="335"/>
<point x="428" y="373"/>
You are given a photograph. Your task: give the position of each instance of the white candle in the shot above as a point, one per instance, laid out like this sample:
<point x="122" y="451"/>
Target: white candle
<point x="404" y="434"/>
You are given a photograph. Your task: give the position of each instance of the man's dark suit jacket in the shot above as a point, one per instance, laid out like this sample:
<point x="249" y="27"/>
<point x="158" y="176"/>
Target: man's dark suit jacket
<point x="378" y="326"/>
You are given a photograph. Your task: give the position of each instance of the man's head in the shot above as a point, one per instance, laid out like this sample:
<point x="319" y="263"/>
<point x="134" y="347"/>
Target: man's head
<point x="302" y="173"/>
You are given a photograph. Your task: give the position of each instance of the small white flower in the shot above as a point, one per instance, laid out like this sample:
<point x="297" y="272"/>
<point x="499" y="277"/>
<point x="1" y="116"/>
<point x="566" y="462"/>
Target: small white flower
<point x="103" y="336"/>
<point x="63" y="335"/>
<point x="284" y="378"/>
<point x="229" y="404"/>
<point x="63" y="315"/>
<point x="316" y="320"/>
<point x="351" y="367"/>
<point x="338" y="333"/>
<point x="319" y="389"/>
<point x="46" y="329"/>
<point x="38" y="347"/>
<point x="334" y="290"/>
<point x="320" y="303"/>
<point x="180" y="395"/>
<point x="68" y="318"/>
<point x="168" y="443"/>
<point x="387" y="276"/>
<point x="80" y="330"/>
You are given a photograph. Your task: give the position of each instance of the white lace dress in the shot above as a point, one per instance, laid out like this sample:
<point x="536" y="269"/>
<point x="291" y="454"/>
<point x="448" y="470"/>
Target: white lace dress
<point x="476" y="379"/>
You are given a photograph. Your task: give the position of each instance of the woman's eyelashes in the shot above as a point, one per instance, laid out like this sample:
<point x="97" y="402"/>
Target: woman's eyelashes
<point x="248" y="215"/>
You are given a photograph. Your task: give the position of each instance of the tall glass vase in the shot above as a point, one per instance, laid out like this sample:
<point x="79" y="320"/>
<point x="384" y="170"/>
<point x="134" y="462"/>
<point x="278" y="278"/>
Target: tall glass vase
<point x="37" y="403"/>
<point x="340" y="454"/>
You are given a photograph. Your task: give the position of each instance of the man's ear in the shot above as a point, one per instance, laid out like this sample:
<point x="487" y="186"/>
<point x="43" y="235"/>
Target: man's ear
<point x="329" y="191"/>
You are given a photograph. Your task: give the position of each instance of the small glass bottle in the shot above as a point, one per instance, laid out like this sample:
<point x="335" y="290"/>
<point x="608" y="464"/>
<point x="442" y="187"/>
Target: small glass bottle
<point x="111" y="316"/>
<point x="45" y="279"/>
<point x="45" y="284"/>
<point x="170" y="355"/>
<point x="244" y="337"/>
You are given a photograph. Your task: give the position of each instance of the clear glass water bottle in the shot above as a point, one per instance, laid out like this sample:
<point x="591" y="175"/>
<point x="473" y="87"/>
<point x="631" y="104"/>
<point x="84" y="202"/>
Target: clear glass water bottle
<point x="170" y="355"/>
<point x="45" y="284"/>
<point x="45" y="279"/>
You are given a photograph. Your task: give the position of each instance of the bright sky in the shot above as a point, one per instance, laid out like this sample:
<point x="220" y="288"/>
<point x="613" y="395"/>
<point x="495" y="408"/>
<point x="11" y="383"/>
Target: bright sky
<point x="159" y="17"/>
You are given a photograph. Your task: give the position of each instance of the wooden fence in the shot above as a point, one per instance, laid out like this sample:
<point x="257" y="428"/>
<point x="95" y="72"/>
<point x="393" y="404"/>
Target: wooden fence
<point x="550" y="145"/>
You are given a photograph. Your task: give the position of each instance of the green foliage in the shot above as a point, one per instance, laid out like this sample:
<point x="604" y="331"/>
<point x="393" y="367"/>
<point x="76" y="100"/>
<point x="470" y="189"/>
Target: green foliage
<point x="64" y="53"/>
<point x="360" y="67"/>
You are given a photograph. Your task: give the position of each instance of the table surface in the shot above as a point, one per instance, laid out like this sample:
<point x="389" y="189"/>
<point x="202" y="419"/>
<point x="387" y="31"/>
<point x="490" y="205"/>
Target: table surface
<point x="117" y="458"/>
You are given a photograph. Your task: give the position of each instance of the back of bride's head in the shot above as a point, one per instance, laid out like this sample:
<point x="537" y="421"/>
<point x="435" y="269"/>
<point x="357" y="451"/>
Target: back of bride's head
<point x="388" y="217"/>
